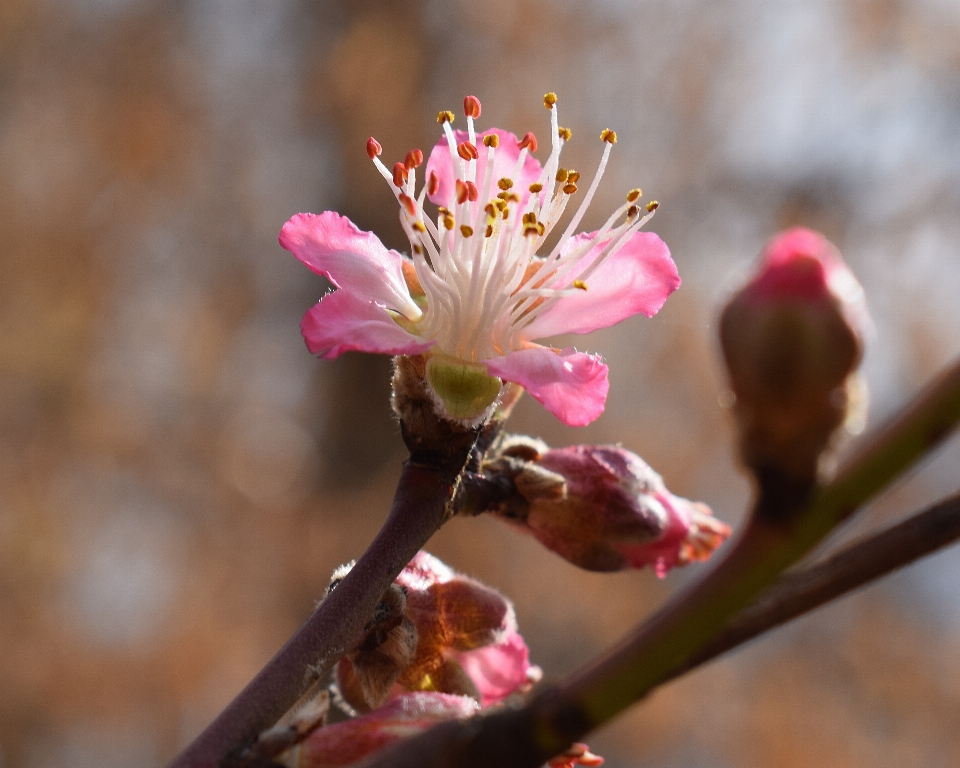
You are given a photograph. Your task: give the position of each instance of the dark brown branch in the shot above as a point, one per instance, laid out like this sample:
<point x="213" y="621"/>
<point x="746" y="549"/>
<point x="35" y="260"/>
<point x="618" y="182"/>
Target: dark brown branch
<point x="805" y="590"/>
<point x="418" y="511"/>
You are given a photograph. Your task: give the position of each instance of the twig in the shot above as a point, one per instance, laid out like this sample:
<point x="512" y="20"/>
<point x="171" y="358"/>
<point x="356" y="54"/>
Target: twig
<point x="419" y="508"/>
<point x="802" y="591"/>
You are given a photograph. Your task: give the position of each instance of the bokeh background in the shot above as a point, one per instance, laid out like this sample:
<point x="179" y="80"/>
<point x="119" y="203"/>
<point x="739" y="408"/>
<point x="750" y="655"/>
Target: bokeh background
<point x="178" y="476"/>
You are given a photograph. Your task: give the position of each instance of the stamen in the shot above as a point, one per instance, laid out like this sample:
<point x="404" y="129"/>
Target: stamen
<point x="491" y="140"/>
<point x="634" y="194"/>
<point x="652" y="206"/>
<point x="569" y="189"/>
<point x="564" y="133"/>
<point x="561" y="175"/>
<point x="409" y="204"/>
<point x="466" y="231"/>
<point x="444" y="116"/>
<point x="608" y="136"/>
<point x="549" y="99"/>
<point x="505" y="184"/>
<point x="573" y="176"/>
<point x="529" y="141"/>
<point x="414" y="159"/>
<point x="534" y="188"/>
<point x="399" y="174"/>
<point x="433" y="183"/>
<point x="471" y="107"/>
<point x="373" y="148"/>
<point x="580" y="284"/>
<point x="467" y="151"/>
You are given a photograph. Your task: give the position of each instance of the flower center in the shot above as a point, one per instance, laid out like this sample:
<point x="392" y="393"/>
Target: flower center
<point x="477" y="260"/>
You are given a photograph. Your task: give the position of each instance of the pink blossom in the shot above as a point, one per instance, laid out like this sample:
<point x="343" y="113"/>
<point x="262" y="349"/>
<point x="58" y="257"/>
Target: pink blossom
<point x="475" y="295"/>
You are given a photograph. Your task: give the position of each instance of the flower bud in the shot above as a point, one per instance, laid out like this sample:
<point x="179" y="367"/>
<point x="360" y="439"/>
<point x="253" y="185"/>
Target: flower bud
<point x="613" y="512"/>
<point x="448" y="634"/>
<point x="345" y="743"/>
<point x="792" y="338"/>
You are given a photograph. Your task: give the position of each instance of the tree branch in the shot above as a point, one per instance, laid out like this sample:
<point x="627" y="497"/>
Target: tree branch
<point x="805" y="590"/>
<point x="419" y="509"/>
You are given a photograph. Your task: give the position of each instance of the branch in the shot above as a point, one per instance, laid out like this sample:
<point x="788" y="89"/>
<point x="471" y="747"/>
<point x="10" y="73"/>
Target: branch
<point x="526" y="737"/>
<point x="419" y="508"/>
<point x="805" y="590"/>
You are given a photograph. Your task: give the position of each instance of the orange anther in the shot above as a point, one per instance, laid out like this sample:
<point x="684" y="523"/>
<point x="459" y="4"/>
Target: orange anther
<point x="471" y="107"/>
<point x="413" y="159"/>
<point x="529" y="141"/>
<point x="399" y="174"/>
<point x="433" y="183"/>
<point x="409" y="204"/>
<point x="467" y="151"/>
<point x="373" y="148"/>
<point x="473" y="194"/>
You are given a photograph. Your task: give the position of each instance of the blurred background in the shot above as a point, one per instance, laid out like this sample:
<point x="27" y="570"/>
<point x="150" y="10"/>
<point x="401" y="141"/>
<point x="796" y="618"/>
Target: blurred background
<point x="178" y="476"/>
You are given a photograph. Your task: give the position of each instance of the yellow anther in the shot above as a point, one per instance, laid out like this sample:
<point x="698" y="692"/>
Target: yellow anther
<point x="491" y="140"/>
<point x="608" y="136"/>
<point x="536" y="188"/>
<point x="652" y="206"/>
<point x="564" y="133"/>
<point x="501" y="204"/>
<point x="569" y="188"/>
<point x="419" y="226"/>
<point x="448" y="222"/>
<point x="505" y="184"/>
<point x="541" y="228"/>
<point x="549" y="99"/>
<point x="444" y="116"/>
<point x="561" y="175"/>
<point x="573" y="177"/>
<point x="465" y="230"/>
<point x="529" y="218"/>
<point x="580" y="284"/>
<point x="417" y="248"/>
<point x="634" y="194"/>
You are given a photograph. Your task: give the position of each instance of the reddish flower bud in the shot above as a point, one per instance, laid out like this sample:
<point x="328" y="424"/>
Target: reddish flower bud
<point x="447" y="633"/>
<point x="347" y="742"/>
<point x="792" y="338"/>
<point x="605" y="509"/>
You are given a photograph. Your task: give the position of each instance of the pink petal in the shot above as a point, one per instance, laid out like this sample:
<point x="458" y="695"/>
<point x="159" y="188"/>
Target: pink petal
<point x="332" y="246"/>
<point x="342" y="322"/>
<point x="498" y="670"/>
<point x="571" y="385"/>
<point x="637" y="279"/>
<point x="505" y="158"/>
<point x="345" y="743"/>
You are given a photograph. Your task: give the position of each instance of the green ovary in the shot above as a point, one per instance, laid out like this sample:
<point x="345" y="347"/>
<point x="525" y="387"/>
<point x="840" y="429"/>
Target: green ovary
<point x="465" y="389"/>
